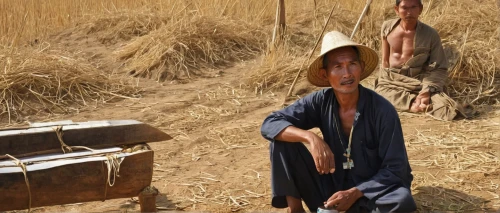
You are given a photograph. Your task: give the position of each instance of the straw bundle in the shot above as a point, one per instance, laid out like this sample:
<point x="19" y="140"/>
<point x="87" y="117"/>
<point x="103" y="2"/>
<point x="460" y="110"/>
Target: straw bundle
<point x="191" y="44"/>
<point x="33" y="82"/>
<point x="278" y="68"/>
<point x="120" y="26"/>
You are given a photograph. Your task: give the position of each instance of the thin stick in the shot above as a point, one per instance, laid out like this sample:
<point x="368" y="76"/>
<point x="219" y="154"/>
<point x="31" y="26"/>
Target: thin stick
<point x="282" y="20"/>
<point x="225" y="7"/>
<point x="368" y="2"/>
<point x="312" y="52"/>
<point x="276" y="22"/>
<point x="315" y="13"/>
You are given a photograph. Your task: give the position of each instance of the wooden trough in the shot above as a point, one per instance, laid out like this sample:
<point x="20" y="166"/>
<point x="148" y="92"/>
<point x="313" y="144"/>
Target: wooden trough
<point x="115" y="163"/>
<point x="43" y="137"/>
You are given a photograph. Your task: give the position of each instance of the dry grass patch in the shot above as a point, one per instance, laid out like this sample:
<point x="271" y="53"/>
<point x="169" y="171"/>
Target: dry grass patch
<point x="276" y="71"/>
<point x="226" y="101"/>
<point x="36" y="20"/>
<point x="214" y="191"/>
<point x="279" y="66"/>
<point x="36" y="81"/>
<point x="120" y="25"/>
<point x="453" y="170"/>
<point x="181" y="49"/>
<point x="236" y="137"/>
<point x="200" y="193"/>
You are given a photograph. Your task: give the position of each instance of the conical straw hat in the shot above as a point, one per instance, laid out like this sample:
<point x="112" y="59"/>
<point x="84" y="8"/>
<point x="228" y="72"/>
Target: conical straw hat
<point x="333" y="40"/>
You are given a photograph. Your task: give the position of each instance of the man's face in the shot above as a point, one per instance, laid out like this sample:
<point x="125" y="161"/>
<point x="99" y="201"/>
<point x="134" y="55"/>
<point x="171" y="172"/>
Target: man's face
<point x="409" y="10"/>
<point x="343" y="70"/>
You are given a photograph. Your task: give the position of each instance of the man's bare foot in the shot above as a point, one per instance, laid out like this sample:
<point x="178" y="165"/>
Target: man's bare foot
<point x="415" y="108"/>
<point x="426" y="108"/>
<point x="421" y="108"/>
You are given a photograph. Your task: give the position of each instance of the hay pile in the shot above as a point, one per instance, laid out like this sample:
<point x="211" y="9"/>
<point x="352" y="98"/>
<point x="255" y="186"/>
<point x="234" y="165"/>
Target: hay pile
<point x="120" y="26"/>
<point x="279" y="67"/>
<point x="50" y="82"/>
<point x="180" y="49"/>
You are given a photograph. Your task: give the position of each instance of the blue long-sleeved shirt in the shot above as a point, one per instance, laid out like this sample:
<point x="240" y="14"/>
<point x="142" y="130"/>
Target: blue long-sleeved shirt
<point x="378" y="150"/>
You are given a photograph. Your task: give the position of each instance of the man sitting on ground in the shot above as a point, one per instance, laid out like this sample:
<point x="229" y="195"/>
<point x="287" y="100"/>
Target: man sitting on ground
<point x="361" y="164"/>
<point x="414" y="66"/>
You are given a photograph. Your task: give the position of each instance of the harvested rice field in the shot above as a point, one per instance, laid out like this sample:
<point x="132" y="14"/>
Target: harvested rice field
<point x="207" y="73"/>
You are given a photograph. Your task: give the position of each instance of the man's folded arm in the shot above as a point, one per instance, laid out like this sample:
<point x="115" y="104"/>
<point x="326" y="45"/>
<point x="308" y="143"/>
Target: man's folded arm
<point x="302" y="114"/>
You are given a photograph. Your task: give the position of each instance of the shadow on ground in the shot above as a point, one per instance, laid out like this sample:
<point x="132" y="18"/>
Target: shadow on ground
<point x="439" y="199"/>
<point x="162" y="204"/>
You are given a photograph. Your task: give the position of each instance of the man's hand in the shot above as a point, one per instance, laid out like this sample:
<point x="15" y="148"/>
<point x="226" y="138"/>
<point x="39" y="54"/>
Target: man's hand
<point x="343" y="200"/>
<point x="425" y="99"/>
<point x="415" y="106"/>
<point x="421" y="102"/>
<point x="322" y="154"/>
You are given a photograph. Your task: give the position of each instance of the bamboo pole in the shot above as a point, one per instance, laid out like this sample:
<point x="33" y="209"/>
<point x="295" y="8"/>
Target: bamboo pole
<point x="315" y="13"/>
<point x="368" y="2"/>
<point x="310" y="55"/>
<point x="279" y="24"/>
<point x="282" y="20"/>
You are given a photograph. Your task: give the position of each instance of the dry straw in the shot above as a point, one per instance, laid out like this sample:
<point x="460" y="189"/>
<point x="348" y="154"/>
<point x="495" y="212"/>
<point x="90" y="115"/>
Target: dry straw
<point x="455" y="171"/>
<point x="182" y="48"/>
<point x="212" y="191"/>
<point x="469" y="28"/>
<point x="41" y="81"/>
<point x="120" y="26"/>
<point x="277" y="69"/>
<point x="40" y="19"/>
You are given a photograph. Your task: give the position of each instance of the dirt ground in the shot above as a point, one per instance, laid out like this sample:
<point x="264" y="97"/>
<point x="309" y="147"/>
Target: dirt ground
<point x="218" y="161"/>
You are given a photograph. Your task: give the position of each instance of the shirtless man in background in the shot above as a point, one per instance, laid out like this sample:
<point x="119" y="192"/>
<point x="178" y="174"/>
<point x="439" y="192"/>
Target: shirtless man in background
<point x="414" y="65"/>
<point x="398" y="45"/>
<point x="401" y="40"/>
